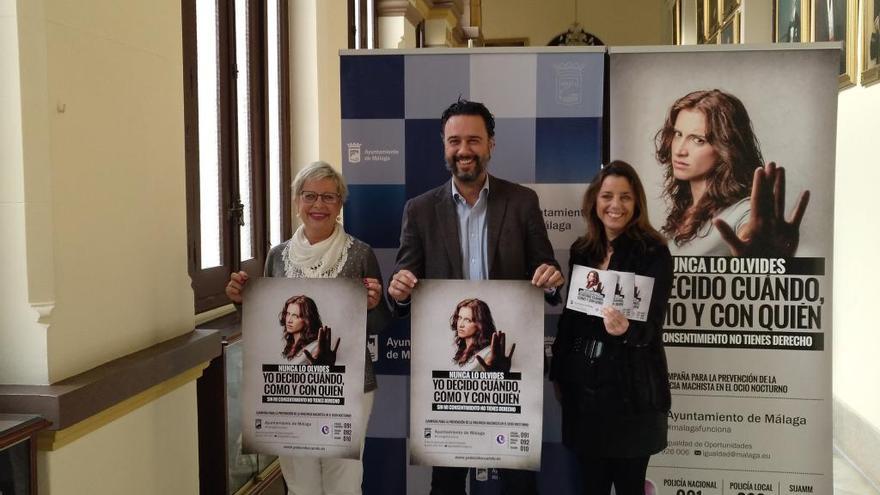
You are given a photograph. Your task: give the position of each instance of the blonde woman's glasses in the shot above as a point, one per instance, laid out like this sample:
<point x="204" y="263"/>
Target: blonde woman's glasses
<point x="309" y="197"/>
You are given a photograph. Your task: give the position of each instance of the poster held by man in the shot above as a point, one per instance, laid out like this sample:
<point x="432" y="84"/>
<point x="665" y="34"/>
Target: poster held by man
<point x="303" y="367"/>
<point x="476" y="391"/>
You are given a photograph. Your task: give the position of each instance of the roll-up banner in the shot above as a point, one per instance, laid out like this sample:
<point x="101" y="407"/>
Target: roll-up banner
<point x="548" y="108"/>
<point x="303" y="367"/>
<point x="748" y="328"/>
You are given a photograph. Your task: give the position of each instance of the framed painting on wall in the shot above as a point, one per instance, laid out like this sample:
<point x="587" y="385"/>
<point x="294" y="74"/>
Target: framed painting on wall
<point x="791" y="21"/>
<point x="729" y="33"/>
<point x="870" y="41"/>
<point x="676" y="23"/>
<point x="727" y="8"/>
<point x="837" y="20"/>
<point x="712" y="17"/>
<point x="701" y="23"/>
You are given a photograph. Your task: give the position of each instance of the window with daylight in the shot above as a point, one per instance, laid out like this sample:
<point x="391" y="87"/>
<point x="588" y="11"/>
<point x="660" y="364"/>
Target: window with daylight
<point x="236" y="107"/>
<point x="362" y="21"/>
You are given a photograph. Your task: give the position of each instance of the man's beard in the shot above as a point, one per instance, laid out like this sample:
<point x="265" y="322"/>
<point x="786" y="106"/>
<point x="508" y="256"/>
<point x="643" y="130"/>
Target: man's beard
<point x="477" y="171"/>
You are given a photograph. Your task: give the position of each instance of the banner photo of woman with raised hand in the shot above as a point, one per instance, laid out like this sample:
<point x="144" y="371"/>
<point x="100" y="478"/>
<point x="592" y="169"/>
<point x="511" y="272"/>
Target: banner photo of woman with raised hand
<point x="477" y="374"/>
<point x="736" y="149"/>
<point x="303" y="367"/>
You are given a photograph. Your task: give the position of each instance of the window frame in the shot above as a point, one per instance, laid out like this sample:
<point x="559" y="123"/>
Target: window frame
<point x="209" y="283"/>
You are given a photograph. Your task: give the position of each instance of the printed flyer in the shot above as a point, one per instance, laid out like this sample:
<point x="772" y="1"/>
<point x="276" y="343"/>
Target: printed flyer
<point x="476" y="394"/>
<point x="624" y="292"/>
<point x="303" y="366"/>
<point x="590" y="290"/>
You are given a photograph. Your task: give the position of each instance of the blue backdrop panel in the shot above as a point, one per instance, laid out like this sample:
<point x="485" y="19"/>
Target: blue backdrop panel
<point x="514" y="155"/>
<point x="370" y="152"/>
<point x="425" y="166"/>
<point x="386" y="257"/>
<point x="570" y="85"/>
<point x="548" y="108"/>
<point x="433" y="82"/>
<point x="384" y="465"/>
<point x="505" y="83"/>
<point x="365" y="204"/>
<point x="568" y="150"/>
<point x="394" y="421"/>
<point x="372" y="87"/>
<point x="394" y="348"/>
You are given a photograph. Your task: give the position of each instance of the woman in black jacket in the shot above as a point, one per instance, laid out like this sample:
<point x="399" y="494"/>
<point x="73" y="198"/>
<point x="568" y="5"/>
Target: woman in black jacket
<point x="610" y="373"/>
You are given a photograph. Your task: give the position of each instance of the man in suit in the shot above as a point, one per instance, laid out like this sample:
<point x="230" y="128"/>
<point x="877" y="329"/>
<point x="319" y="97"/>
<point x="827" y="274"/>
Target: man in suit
<point x="473" y="227"/>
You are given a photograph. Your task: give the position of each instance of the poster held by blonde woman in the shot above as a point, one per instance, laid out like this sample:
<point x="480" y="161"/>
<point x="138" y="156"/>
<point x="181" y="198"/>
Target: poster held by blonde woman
<point x="320" y="248"/>
<point x="302" y="393"/>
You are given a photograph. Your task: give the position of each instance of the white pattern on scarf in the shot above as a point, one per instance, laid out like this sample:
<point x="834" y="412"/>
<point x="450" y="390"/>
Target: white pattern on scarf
<point x="324" y="259"/>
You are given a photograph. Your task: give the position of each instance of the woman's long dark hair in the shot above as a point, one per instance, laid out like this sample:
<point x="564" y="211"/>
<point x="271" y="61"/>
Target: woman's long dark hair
<point x="594" y="244"/>
<point x="729" y="131"/>
<point x="308" y="312"/>
<point x="485" y="324"/>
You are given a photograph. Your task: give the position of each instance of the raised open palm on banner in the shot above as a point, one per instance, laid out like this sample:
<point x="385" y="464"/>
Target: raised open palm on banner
<point x="767" y="232"/>
<point x="497" y="360"/>
<point x="324" y="355"/>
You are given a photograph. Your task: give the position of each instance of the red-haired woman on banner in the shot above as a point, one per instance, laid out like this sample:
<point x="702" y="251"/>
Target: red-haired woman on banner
<point x="610" y="373"/>
<point x="723" y="200"/>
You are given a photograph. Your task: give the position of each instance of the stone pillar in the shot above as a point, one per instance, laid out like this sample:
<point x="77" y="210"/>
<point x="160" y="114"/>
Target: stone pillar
<point x="397" y="21"/>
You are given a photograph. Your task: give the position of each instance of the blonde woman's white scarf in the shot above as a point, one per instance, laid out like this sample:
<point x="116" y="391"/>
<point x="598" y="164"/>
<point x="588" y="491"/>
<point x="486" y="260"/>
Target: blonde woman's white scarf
<point x="324" y="259"/>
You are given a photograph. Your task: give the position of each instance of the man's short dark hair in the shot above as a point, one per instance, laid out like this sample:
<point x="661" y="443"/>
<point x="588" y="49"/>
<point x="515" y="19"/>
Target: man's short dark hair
<point x="465" y="107"/>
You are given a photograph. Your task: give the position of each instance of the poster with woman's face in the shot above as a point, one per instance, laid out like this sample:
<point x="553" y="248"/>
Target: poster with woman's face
<point x="303" y="366"/>
<point x="748" y="325"/>
<point x="477" y="374"/>
<point x="782" y="105"/>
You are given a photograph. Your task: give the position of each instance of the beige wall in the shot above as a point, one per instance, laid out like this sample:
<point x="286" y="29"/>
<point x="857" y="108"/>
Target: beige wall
<point x="318" y="30"/>
<point x="152" y="450"/>
<point x="631" y="22"/>
<point x="23" y="356"/>
<point x="856" y="271"/>
<point x="94" y="213"/>
<point x="855" y="345"/>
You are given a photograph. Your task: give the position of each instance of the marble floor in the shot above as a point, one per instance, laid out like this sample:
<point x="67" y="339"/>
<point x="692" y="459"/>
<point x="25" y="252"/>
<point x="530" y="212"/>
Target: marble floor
<point x="848" y="480"/>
